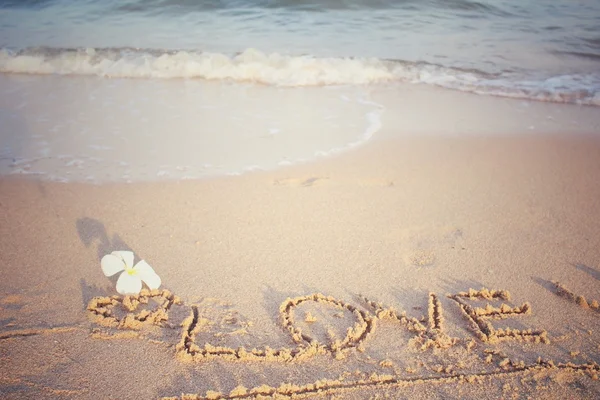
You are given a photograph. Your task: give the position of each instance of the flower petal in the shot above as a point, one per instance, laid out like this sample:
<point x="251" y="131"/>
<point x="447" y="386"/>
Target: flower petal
<point x="147" y="274"/>
<point x="129" y="284"/>
<point x="127" y="256"/>
<point x="111" y="264"/>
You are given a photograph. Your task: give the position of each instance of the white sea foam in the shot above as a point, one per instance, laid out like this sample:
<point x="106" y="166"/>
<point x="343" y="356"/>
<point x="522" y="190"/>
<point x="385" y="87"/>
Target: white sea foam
<point x="249" y="66"/>
<point x="296" y="71"/>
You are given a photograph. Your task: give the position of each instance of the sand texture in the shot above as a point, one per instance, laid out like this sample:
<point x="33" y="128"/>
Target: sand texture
<point x="413" y="267"/>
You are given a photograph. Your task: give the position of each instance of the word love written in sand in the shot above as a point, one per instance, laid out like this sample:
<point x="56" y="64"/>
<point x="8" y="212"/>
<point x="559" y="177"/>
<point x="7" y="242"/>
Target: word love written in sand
<point x="119" y="312"/>
<point x="151" y="309"/>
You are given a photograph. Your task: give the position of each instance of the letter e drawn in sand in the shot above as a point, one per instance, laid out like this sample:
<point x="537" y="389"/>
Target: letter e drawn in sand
<point x="480" y="317"/>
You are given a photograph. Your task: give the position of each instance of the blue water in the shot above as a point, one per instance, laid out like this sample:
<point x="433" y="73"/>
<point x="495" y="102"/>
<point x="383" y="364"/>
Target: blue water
<point x="545" y="50"/>
<point x="142" y="90"/>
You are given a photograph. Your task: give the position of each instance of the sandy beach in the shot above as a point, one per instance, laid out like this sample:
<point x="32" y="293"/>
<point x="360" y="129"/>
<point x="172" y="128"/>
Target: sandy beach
<point x="328" y="200"/>
<point x="416" y="266"/>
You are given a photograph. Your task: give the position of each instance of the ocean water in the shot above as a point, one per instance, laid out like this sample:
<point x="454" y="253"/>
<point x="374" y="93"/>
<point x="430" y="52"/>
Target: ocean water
<point x="235" y="85"/>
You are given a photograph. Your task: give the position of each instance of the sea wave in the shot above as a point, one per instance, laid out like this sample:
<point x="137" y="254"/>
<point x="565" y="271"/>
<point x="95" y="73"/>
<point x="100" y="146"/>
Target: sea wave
<point x="290" y="71"/>
<point x="317" y="6"/>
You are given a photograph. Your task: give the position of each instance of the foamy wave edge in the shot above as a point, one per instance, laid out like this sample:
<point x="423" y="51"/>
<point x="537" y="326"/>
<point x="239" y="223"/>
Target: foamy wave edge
<point x="293" y="71"/>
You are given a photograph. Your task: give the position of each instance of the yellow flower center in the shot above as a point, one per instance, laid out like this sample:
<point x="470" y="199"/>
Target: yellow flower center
<point x="130" y="270"/>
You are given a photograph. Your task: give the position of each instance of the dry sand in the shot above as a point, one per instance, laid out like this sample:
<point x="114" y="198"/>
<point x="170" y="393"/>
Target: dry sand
<point x="345" y="278"/>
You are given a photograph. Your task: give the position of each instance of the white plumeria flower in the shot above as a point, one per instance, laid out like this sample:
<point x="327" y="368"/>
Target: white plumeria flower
<point x="130" y="281"/>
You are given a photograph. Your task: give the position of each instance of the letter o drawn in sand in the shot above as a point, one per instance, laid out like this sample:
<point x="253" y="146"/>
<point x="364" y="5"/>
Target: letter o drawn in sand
<point x="355" y="335"/>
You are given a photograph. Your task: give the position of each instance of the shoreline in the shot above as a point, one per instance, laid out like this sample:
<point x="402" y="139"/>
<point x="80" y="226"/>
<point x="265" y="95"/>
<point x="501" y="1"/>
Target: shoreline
<point x="152" y="130"/>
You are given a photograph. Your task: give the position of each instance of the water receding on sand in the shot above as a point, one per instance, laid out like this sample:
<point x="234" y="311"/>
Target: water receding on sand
<point x="88" y="129"/>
